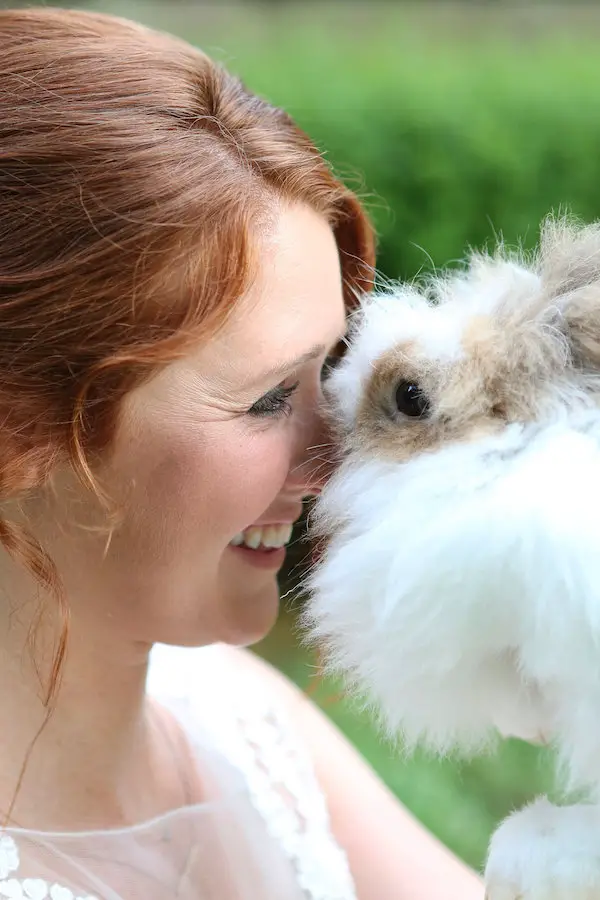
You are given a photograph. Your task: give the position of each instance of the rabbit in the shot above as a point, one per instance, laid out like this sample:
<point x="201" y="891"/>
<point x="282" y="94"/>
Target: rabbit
<point x="458" y="587"/>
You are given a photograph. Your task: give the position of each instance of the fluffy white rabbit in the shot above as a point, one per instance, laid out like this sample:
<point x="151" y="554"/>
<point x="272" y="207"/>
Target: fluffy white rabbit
<point x="459" y="588"/>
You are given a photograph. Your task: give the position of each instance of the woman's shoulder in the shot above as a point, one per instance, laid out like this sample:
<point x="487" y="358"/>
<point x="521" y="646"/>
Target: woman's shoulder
<point x="334" y="789"/>
<point x="231" y="700"/>
<point x="218" y="673"/>
<point x="175" y="669"/>
<point x="245" y="708"/>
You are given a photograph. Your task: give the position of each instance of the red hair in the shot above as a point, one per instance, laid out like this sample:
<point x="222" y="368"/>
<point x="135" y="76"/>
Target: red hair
<point x="133" y="170"/>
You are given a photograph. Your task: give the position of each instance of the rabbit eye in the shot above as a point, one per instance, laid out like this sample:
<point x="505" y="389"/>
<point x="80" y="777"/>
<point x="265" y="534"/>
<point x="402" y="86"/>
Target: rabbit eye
<point x="410" y="399"/>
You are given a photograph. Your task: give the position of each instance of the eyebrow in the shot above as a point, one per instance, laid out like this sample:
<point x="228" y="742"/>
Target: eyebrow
<point x="284" y="368"/>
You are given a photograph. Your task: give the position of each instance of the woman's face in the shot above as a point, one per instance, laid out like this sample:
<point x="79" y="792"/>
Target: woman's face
<point x="220" y="447"/>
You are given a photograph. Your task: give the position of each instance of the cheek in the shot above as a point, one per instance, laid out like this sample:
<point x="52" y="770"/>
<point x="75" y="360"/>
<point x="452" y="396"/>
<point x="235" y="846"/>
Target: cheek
<point x="254" y="472"/>
<point x="214" y="486"/>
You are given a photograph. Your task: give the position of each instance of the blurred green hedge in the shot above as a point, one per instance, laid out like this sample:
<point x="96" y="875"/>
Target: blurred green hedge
<point x="454" y="136"/>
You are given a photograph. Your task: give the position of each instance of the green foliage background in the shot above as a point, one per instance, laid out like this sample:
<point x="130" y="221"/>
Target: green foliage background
<point x="457" y="124"/>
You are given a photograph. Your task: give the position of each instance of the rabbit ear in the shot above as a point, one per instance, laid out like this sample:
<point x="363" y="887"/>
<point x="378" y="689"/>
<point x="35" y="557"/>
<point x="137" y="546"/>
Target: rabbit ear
<point x="569" y="266"/>
<point x="581" y="317"/>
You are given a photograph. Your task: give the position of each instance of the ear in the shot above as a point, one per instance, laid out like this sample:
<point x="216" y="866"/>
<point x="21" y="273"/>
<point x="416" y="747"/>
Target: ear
<point x="581" y="320"/>
<point x="569" y="265"/>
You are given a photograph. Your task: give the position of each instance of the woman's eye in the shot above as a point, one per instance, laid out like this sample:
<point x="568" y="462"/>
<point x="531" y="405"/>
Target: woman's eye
<point x="274" y="403"/>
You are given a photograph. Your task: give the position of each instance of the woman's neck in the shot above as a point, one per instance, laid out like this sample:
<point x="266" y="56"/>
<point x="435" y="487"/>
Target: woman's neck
<point x="104" y="757"/>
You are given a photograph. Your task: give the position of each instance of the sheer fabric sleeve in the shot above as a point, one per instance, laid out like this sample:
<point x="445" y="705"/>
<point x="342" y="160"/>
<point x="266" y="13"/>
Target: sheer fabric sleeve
<point x="255" y="734"/>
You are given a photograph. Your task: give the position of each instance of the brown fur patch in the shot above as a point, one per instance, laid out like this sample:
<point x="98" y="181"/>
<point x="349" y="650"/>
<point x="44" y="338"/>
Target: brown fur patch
<point x="494" y="382"/>
<point x="480" y="332"/>
<point x="532" y="353"/>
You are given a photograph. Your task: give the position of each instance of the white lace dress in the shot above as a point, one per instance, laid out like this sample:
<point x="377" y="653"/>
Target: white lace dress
<point x="262" y="833"/>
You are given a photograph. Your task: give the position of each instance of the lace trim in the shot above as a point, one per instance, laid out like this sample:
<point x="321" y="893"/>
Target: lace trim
<point x="284" y="790"/>
<point x="28" y="888"/>
<point x="253" y="732"/>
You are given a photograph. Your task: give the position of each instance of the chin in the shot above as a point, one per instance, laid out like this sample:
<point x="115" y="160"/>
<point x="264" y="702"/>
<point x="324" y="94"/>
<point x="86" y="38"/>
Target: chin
<point x="238" y="613"/>
<point x="248" y="614"/>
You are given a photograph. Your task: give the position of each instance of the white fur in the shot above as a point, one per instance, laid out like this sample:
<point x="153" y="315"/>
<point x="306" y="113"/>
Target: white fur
<point x="460" y="591"/>
<point x="460" y="584"/>
<point x="544" y="852"/>
<point x="383" y="322"/>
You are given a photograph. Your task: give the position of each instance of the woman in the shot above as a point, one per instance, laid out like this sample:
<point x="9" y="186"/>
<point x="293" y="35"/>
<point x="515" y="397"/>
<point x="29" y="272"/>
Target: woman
<point x="175" y="263"/>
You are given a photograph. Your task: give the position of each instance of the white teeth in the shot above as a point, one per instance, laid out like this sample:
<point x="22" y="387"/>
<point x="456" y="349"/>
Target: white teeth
<point x="271" y="537"/>
<point x="252" y="537"/>
<point x="276" y="535"/>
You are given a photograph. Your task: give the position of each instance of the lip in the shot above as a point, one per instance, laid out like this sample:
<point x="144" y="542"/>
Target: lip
<point x="272" y="559"/>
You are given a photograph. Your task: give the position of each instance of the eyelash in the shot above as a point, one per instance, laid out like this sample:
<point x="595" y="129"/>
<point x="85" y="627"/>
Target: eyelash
<point x="275" y="403"/>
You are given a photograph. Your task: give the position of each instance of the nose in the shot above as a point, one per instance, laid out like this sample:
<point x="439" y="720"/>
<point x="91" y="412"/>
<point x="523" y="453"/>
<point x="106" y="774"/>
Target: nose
<point x="316" y="458"/>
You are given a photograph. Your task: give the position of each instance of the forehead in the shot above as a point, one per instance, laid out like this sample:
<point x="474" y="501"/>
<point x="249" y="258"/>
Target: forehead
<point x="296" y="299"/>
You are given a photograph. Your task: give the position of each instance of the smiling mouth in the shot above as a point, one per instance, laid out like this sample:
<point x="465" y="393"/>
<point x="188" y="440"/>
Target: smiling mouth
<point x="267" y="537"/>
